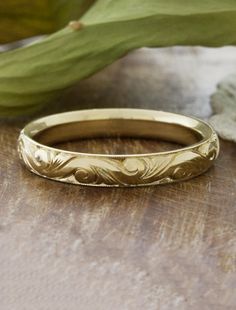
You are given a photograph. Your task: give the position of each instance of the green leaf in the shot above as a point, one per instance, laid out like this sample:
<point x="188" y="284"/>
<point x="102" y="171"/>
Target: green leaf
<point x="36" y="74"/>
<point x="20" y="19"/>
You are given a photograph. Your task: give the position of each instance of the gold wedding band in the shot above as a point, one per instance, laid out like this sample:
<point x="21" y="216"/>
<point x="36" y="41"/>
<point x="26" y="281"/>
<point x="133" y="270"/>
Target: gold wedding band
<point x="199" y="140"/>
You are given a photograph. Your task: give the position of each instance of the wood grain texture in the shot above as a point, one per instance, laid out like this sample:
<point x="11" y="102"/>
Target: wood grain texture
<point x="163" y="247"/>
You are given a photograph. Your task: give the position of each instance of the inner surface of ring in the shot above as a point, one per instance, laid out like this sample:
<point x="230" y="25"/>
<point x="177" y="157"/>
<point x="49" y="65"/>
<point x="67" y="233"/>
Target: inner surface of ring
<point x="130" y="128"/>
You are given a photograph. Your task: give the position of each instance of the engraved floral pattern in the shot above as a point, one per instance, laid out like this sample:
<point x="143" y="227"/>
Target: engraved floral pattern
<point x="118" y="171"/>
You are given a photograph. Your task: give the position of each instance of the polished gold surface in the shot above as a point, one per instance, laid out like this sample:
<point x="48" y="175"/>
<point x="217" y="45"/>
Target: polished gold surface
<point x="35" y="145"/>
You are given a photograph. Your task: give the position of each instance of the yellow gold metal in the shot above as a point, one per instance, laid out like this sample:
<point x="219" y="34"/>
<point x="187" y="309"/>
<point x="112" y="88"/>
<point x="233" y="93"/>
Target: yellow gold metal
<point x="201" y="147"/>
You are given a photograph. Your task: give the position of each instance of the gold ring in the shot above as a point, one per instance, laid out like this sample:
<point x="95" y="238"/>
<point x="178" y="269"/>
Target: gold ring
<point x="199" y="140"/>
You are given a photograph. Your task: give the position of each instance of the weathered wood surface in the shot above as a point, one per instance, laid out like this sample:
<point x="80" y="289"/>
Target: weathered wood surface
<point x="164" y="247"/>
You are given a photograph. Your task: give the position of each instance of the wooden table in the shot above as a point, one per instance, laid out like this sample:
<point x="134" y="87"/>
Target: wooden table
<point x="163" y="247"/>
